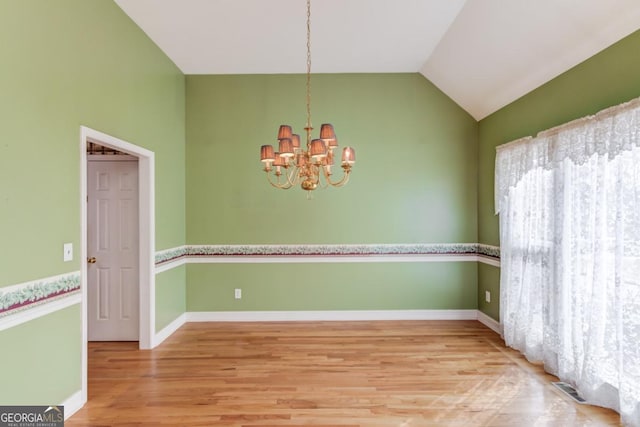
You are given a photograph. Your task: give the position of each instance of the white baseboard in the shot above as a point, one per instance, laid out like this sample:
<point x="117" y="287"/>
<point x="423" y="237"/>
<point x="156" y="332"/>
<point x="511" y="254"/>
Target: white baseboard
<point x="340" y="315"/>
<point x="72" y="404"/>
<point x="489" y="322"/>
<point x="169" y="329"/>
<point x="323" y="315"/>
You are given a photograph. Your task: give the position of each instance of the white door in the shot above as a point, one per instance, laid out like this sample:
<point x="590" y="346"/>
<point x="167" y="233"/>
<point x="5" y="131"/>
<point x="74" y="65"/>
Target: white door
<point x="112" y="248"/>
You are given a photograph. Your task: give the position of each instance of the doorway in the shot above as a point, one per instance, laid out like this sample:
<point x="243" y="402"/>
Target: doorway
<point x="112" y="245"/>
<point x="145" y="237"/>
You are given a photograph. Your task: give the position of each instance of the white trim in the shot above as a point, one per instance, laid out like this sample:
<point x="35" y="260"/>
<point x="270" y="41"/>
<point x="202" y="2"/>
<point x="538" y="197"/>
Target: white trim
<point x="146" y="185"/>
<point x="101" y="138"/>
<point x="292" y="259"/>
<point x="147" y="226"/>
<point x="489" y="322"/>
<point x="307" y="259"/>
<point x="171" y="264"/>
<point x="169" y="329"/>
<point x="73" y="403"/>
<point x="488" y="260"/>
<point x="328" y="315"/>
<point x="111" y="158"/>
<point x="35" y="311"/>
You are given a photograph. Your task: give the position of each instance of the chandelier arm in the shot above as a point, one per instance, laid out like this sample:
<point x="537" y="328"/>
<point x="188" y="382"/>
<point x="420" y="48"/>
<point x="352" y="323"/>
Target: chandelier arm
<point x="284" y="186"/>
<point x="291" y="180"/>
<point x="339" y="183"/>
<point x="323" y="183"/>
<point x="317" y="174"/>
<point x="291" y="176"/>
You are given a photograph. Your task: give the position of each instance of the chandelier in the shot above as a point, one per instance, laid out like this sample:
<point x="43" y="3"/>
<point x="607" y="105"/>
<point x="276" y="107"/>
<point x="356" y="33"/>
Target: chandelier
<point x="310" y="167"/>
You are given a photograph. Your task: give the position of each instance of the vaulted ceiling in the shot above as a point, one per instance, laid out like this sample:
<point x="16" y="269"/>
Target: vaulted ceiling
<point x="483" y="54"/>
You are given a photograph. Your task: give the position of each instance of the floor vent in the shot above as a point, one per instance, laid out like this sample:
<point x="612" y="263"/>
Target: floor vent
<point x="569" y="391"/>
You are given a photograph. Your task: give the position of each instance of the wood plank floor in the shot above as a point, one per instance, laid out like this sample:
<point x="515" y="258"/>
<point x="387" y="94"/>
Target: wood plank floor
<point x="410" y="373"/>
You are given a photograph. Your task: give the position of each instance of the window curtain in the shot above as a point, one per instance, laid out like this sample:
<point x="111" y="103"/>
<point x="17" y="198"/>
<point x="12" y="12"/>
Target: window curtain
<point x="569" y="206"/>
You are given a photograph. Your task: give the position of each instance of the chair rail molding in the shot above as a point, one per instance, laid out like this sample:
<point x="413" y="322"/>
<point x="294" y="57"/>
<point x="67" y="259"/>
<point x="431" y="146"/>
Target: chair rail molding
<point x="404" y="252"/>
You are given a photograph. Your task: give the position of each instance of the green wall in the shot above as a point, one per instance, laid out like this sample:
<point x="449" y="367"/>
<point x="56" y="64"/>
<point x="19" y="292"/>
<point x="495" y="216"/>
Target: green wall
<point x="604" y="80"/>
<point x="41" y="359"/>
<point x="340" y="286"/>
<point x="170" y="296"/>
<point x="414" y="182"/>
<point x="68" y="63"/>
<point x="489" y="280"/>
<point x="414" y="179"/>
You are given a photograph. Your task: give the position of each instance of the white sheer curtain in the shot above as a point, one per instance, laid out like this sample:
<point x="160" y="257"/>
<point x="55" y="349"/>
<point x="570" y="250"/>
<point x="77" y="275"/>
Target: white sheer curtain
<point x="569" y="205"/>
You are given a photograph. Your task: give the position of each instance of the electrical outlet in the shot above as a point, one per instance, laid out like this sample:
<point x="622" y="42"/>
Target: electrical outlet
<point x="487" y="296"/>
<point x="238" y="293"/>
<point x="67" y="252"/>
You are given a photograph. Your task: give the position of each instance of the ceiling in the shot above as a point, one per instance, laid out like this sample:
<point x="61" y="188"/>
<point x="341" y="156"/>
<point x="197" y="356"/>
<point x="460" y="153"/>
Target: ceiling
<point x="483" y="54"/>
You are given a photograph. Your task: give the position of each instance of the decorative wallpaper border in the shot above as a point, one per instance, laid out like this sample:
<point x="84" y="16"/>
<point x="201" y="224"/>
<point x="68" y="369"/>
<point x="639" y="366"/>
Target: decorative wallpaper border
<point x="20" y="297"/>
<point x="179" y="252"/>
<point x="170" y="254"/>
<point x="489" y="251"/>
<point x="333" y="250"/>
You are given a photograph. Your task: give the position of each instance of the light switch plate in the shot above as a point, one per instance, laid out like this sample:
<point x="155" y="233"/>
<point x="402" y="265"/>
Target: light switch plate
<point x="67" y="252"/>
<point x="487" y="296"/>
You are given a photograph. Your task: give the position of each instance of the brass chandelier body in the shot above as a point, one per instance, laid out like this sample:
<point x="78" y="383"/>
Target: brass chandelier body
<point x="293" y="164"/>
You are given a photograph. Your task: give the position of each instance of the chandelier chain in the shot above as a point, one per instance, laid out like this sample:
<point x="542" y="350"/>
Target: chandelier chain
<point x="308" y="72"/>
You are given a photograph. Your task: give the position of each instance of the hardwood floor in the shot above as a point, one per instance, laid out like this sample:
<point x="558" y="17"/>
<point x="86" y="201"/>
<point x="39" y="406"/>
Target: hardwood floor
<point x="416" y="373"/>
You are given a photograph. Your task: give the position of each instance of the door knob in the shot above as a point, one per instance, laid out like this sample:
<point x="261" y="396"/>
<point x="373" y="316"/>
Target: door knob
<point x="91" y="260"/>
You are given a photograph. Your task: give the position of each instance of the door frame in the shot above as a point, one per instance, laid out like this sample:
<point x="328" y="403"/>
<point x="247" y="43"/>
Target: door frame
<point x="146" y="230"/>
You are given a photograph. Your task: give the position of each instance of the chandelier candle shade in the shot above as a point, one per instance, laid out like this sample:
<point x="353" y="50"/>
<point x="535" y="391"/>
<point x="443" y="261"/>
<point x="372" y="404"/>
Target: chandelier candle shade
<point x="308" y="166"/>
